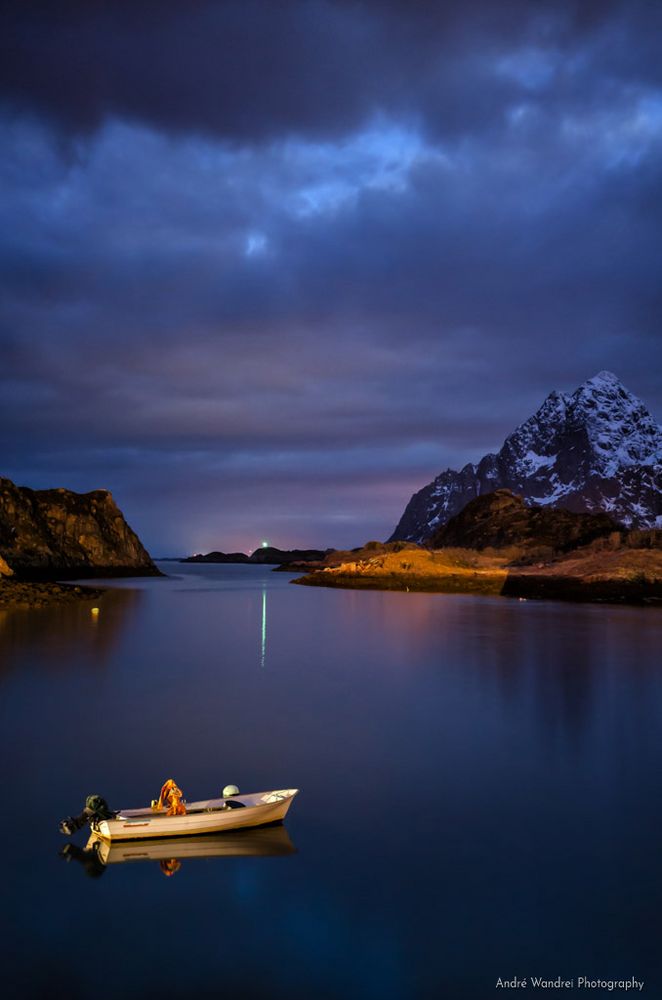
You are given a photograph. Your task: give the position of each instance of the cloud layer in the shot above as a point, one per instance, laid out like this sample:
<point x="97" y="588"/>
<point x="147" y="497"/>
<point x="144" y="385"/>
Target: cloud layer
<point x="268" y="268"/>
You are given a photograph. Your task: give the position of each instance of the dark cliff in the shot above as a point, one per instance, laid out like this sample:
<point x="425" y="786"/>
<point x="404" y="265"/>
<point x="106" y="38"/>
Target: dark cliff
<point x="501" y="519"/>
<point x="48" y="534"/>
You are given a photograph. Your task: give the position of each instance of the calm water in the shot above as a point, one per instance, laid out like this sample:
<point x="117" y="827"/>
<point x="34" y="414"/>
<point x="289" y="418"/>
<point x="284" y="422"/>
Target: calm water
<point x="481" y="790"/>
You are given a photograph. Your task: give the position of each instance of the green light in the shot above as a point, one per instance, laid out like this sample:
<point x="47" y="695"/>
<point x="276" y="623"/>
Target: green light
<point x="265" y="545"/>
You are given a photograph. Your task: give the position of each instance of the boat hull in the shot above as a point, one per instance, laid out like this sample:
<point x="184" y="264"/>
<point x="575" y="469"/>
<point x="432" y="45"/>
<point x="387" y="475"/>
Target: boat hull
<point x="209" y="816"/>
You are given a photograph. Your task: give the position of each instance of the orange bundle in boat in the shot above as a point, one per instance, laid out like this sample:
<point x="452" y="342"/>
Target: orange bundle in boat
<point x="171" y="796"/>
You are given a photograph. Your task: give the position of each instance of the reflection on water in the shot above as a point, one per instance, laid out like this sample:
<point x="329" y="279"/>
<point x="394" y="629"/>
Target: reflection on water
<point x="263" y="636"/>
<point x="552" y="654"/>
<point x="58" y="635"/>
<point x="480" y="789"/>
<point x="169" y="853"/>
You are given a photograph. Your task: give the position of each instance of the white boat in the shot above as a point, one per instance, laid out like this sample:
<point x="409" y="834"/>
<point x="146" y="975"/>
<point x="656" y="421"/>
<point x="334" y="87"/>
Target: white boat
<point x="207" y="816"/>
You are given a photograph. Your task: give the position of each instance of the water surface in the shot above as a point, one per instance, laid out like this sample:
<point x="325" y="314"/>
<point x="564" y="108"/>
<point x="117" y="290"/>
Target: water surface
<point x="480" y="790"/>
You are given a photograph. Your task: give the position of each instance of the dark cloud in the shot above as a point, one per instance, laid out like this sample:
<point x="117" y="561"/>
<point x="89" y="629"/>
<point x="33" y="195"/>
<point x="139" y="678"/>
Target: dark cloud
<point x="247" y="70"/>
<point x="269" y="268"/>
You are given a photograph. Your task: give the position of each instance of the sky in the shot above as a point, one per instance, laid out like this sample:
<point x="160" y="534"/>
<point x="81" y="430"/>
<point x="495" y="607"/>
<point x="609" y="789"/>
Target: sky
<point x="267" y="268"/>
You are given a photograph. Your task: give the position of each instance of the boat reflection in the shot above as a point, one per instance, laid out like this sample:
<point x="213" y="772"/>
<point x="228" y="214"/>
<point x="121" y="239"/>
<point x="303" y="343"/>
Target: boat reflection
<point x="170" y="852"/>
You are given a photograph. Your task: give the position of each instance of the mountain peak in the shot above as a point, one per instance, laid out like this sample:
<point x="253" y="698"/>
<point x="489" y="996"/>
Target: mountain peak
<point x="595" y="449"/>
<point x="603" y="378"/>
<point x="604" y="385"/>
<point x="620" y="429"/>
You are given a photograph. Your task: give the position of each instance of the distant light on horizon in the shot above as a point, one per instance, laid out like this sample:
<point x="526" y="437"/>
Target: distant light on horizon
<point x="265" y="545"/>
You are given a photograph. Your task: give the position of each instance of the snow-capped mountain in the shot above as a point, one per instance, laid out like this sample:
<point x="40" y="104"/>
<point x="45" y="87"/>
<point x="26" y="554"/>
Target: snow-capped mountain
<point x="595" y="449"/>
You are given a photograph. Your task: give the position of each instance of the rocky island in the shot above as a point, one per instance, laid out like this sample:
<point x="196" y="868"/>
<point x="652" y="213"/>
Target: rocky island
<point x="266" y="555"/>
<point x="52" y="535"/>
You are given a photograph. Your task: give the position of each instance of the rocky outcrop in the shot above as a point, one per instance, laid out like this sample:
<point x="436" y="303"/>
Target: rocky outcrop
<point x="621" y="567"/>
<point x="266" y="555"/>
<point x="502" y="519"/>
<point x="597" y="449"/>
<point x="34" y="594"/>
<point x="48" y="534"/>
<point x="217" y="557"/>
<point x="270" y="556"/>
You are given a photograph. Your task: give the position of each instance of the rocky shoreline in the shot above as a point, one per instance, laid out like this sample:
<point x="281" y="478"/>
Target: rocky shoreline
<point x="21" y="594"/>
<point x="578" y="590"/>
<point x="525" y="586"/>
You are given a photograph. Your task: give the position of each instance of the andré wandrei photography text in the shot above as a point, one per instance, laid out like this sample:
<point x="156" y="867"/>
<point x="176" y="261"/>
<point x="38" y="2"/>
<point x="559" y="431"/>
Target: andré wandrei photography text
<point x="580" y="982"/>
<point x="331" y="499"/>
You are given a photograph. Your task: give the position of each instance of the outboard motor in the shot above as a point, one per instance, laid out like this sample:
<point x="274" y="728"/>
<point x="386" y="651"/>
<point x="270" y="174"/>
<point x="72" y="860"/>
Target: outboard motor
<point x="96" y="808"/>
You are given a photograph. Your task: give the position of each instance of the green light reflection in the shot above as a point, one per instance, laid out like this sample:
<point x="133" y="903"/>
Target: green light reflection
<point x="263" y="643"/>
